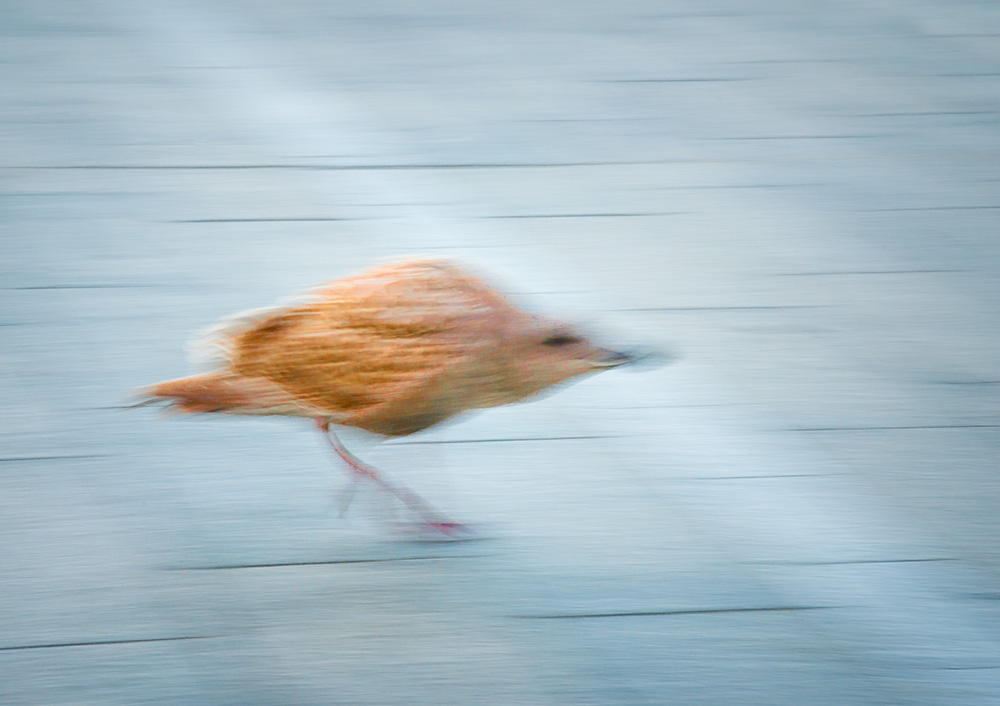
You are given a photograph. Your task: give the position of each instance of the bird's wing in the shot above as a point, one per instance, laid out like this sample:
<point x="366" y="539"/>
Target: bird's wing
<point x="387" y="350"/>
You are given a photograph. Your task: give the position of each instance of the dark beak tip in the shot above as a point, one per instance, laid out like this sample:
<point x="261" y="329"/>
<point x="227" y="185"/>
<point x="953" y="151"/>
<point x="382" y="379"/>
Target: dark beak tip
<point x="641" y="358"/>
<point x="622" y="357"/>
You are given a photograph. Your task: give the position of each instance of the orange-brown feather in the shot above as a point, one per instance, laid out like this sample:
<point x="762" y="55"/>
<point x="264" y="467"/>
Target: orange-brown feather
<point x="391" y="350"/>
<point x="388" y="350"/>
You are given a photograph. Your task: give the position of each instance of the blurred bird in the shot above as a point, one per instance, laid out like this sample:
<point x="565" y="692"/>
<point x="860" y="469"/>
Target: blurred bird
<point x="392" y="350"/>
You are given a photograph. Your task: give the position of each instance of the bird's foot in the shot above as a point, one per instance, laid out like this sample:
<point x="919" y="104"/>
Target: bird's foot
<point x="435" y="530"/>
<point x="452" y="529"/>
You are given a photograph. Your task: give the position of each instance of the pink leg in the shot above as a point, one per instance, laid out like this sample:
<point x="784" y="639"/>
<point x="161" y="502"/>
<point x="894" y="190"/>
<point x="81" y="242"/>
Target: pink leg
<point x="413" y="501"/>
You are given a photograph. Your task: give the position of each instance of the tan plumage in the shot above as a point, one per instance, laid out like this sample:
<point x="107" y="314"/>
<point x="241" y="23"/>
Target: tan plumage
<point x="392" y="350"/>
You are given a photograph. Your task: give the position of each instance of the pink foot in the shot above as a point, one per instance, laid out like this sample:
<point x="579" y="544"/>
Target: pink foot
<point x="435" y="530"/>
<point x="451" y="529"/>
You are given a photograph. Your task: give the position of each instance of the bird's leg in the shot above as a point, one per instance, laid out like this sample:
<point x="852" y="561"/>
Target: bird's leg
<point x="363" y="470"/>
<point x="346" y="496"/>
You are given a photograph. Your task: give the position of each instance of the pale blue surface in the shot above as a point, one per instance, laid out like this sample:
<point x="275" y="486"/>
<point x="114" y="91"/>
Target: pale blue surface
<point x="801" y="201"/>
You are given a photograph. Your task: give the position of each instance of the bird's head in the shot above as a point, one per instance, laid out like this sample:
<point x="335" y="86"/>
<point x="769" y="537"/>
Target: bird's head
<point x="543" y="352"/>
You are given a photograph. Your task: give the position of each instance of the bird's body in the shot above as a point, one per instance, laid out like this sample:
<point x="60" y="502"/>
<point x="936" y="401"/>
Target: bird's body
<point x="392" y="350"/>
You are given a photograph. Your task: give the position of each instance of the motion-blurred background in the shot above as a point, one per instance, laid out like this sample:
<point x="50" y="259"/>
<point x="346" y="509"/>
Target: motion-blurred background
<point x="801" y="199"/>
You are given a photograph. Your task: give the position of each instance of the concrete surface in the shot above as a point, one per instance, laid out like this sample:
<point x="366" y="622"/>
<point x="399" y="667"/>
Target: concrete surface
<point x="800" y="200"/>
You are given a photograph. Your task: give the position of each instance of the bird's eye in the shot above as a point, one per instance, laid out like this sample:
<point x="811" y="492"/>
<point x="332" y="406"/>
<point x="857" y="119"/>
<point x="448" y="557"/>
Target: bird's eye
<point x="560" y="339"/>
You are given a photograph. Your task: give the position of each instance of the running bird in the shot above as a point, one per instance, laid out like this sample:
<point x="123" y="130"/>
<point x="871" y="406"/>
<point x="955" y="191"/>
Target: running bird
<point x="392" y="350"/>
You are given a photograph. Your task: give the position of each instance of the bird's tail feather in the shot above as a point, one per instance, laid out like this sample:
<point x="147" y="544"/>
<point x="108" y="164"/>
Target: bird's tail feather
<point x="220" y="391"/>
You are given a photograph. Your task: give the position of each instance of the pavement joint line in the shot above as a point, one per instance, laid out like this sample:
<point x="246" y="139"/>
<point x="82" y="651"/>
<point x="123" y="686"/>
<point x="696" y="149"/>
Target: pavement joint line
<point x="775" y="475"/>
<point x="736" y="186"/>
<point x="512" y="439"/>
<point x="798" y="61"/>
<point x="963" y="669"/>
<point x="862" y="272"/>
<point x="334" y="167"/>
<point x="72" y="194"/>
<point x="322" y="219"/>
<point x="97" y="643"/>
<point x="590" y="215"/>
<point x="931" y="208"/>
<point x="928" y="112"/>
<point x="680" y="80"/>
<point x="223" y="67"/>
<point x="514" y="216"/>
<point x="848" y="562"/>
<point x="473" y="247"/>
<point x="682" y="406"/>
<point x="89" y="286"/>
<point x="970" y="382"/>
<point x="720" y="308"/>
<point x="28" y="459"/>
<point x="333" y="562"/>
<point x="964" y="34"/>
<point x="509" y="165"/>
<point x="653" y="613"/>
<point x="800" y="137"/>
<point x="633" y="119"/>
<point x="963" y="75"/>
<point x="899" y="428"/>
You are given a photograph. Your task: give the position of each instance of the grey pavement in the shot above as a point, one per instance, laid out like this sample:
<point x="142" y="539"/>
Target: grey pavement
<point x="800" y="201"/>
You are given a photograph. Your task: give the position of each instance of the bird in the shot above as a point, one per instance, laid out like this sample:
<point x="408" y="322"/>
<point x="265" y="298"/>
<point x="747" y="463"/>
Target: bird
<point x="392" y="350"/>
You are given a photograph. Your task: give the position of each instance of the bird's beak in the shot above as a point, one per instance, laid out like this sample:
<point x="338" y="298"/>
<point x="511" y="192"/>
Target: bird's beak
<point x="612" y="359"/>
